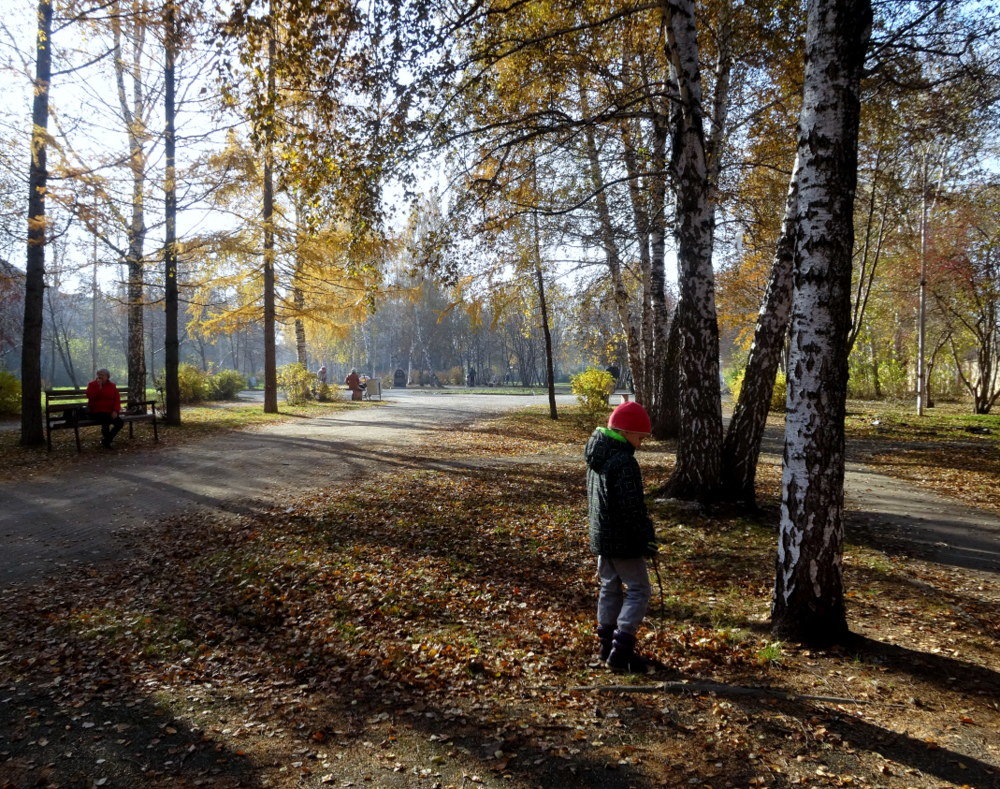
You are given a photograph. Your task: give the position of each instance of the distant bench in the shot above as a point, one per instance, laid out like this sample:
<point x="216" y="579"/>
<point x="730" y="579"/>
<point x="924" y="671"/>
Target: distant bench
<point x="66" y="409"/>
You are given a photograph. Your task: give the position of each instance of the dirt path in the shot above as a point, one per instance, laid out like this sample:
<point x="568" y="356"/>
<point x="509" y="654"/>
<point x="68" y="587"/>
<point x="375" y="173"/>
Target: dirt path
<point x="48" y="524"/>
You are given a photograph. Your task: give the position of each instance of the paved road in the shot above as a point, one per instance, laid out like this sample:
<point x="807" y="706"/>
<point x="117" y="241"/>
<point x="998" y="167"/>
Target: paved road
<point x="47" y="525"/>
<point x="896" y="512"/>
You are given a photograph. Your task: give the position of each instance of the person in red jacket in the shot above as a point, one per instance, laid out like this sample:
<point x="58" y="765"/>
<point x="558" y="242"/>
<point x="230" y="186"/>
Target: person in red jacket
<point x="105" y="404"/>
<point x="353" y="382"/>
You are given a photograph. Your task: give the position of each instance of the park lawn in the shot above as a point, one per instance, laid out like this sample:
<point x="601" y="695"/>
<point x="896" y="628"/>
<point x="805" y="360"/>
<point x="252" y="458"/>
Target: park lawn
<point x="433" y="628"/>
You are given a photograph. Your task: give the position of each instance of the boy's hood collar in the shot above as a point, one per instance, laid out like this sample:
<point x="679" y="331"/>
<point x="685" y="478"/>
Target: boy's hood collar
<point x="603" y="445"/>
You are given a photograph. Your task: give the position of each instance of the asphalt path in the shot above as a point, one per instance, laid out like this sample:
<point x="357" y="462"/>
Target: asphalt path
<point x="897" y="514"/>
<point x="53" y="524"/>
<point x="56" y="524"/>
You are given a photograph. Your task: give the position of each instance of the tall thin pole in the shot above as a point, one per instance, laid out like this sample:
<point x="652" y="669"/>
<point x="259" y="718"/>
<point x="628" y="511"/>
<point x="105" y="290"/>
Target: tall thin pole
<point x="922" y="305"/>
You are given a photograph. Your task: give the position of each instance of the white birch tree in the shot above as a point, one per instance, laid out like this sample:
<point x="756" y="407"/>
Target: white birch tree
<point x="808" y="602"/>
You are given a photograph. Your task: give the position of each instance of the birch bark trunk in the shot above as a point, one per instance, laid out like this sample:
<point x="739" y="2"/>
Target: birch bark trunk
<point x="741" y="448"/>
<point x="699" y="450"/>
<point x="613" y="258"/>
<point x="808" y="602"/>
<point x="133" y="111"/>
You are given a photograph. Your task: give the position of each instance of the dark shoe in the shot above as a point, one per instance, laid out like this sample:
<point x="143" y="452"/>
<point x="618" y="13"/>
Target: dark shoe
<point x="106" y="444"/>
<point x="623" y="658"/>
<point x="606" y="634"/>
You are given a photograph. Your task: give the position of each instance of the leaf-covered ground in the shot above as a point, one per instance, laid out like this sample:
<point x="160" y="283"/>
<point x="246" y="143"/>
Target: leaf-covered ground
<point x="434" y="628"/>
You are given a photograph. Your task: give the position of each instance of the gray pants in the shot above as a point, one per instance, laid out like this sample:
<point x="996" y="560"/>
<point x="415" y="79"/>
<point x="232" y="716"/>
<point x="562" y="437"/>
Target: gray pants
<point x="623" y="608"/>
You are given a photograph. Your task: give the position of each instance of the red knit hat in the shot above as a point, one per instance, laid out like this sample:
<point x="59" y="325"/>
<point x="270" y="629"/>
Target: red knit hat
<point x="631" y="417"/>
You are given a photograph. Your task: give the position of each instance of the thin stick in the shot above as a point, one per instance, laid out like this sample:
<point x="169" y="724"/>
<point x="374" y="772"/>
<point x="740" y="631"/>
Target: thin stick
<point x="723" y="690"/>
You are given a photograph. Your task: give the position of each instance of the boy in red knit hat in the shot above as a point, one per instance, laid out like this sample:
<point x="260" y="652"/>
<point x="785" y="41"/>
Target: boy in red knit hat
<point x="621" y="534"/>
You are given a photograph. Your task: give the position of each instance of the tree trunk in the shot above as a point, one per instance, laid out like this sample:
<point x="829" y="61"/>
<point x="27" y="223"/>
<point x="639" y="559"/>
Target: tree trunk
<point x="642" y="375"/>
<point x="270" y="361"/>
<point x="32" y="433"/>
<point x="876" y="374"/>
<point x="656" y="322"/>
<point x="741" y="448"/>
<point x="808" y="600"/>
<point x="171" y="344"/>
<point x="546" y="332"/>
<point x="667" y="422"/>
<point x="659" y="363"/>
<point x="618" y="289"/>
<point x="699" y="450"/>
<point x="136" y="230"/>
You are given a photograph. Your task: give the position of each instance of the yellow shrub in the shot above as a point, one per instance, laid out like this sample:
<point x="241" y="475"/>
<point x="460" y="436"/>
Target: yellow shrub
<point x="592" y="388"/>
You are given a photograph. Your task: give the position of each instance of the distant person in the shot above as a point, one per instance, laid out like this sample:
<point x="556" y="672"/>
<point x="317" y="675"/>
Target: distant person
<point x="471" y="378"/>
<point x="104" y="405"/>
<point x="253" y="381"/>
<point x="353" y="382"/>
<point x="321" y="374"/>
<point x="621" y="535"/>
<point x="614" y="372"/>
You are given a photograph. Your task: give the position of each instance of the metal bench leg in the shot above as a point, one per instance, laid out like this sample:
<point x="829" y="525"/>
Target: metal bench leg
<point x="76" y="432"/>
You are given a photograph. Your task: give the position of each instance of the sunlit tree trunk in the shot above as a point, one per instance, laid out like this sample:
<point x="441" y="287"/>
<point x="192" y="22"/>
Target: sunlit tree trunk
<point x="132" y="113"/>
<point x="808" y="601"/>
<point x="298" y="296"/>
<point x="642" y="376"/>
<point x="699" y="448"/>
<point x="659" y="367"/>
<point x="613" y="259"/>
<point x="32" y="433"/>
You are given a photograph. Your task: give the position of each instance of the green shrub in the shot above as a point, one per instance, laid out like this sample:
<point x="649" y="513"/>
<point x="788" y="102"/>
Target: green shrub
<point x="225" y="385"/>
<point x="778" y="394"/>
<point x="296" y="382"/>
<point x="10" y="394"/>
<point x="592" y="388"/>
<point x="193" y="383"/>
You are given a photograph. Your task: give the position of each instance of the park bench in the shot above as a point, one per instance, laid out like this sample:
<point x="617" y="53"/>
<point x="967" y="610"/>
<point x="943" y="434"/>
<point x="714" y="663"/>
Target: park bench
<point x="66" y="409"/>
